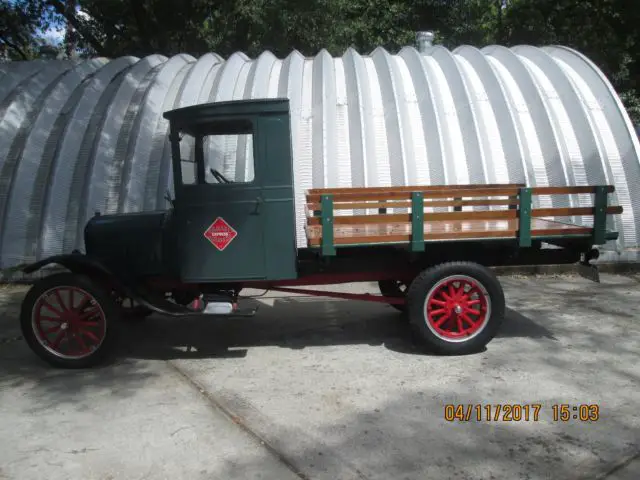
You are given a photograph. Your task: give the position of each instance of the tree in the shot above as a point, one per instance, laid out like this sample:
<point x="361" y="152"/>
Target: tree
<point x="19" y="23"/>
<point x="605" y="30"/>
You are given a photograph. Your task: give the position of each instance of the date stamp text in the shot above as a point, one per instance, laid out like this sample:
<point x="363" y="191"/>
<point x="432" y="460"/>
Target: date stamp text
<point x="520" y="412"/>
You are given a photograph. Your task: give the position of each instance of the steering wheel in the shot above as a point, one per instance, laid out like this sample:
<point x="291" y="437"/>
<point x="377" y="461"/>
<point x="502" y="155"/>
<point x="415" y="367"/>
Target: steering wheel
<point x="218" y="176"/>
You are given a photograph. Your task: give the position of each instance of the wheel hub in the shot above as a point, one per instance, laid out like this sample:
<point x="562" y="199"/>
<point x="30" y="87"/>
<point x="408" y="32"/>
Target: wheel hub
<point x="457" y="308"/>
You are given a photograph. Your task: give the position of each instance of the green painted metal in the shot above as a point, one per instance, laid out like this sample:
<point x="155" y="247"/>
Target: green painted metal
<point x="204" y="117"/>
<point x="417" y="222"/>
<point x="524" y="217"/>
<point x="326" y="204"/>
<point x="128" y="243"/>
<point x="260" y="211"/>
<point x="600" y="216"/>
<point x="279" y="216"/>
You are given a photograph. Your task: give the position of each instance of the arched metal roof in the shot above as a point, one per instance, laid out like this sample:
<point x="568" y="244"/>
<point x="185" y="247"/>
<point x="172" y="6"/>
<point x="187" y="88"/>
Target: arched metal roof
<point x="75" y="138"/>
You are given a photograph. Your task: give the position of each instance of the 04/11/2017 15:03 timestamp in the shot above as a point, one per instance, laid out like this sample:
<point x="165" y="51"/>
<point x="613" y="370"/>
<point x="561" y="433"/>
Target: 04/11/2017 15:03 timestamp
<point x="520" y="412"/>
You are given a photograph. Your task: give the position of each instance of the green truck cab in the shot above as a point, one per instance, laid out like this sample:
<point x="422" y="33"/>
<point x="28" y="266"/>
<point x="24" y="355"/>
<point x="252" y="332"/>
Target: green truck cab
<point x="232" y="225"/>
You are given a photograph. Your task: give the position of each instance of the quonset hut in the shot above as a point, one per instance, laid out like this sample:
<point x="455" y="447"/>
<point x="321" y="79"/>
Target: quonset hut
<point x="80" y="137"/>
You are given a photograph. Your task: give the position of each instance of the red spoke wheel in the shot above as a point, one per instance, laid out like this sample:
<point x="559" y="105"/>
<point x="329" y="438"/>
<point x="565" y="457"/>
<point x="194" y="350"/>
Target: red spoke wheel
<point x="65" y="319"/>
<point x="456" y="307"/>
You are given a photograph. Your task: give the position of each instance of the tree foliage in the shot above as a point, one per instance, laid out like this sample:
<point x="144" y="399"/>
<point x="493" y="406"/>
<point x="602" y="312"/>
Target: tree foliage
<point x="604" y="30"/>
<point x="21" y="25"/>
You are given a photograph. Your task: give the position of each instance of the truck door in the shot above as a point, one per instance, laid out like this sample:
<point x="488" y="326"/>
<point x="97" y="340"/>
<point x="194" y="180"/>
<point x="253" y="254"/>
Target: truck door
<point x="219" y="213"/>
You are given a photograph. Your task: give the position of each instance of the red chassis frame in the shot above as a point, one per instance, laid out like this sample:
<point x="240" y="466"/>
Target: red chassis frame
<point x="308" y="280"/>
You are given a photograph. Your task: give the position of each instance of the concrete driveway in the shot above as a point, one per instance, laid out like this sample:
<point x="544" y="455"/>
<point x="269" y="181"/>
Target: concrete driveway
<point x="325" y="389"/>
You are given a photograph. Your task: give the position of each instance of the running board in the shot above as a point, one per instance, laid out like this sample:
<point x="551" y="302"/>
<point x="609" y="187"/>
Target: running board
<point x="211" y="309"/>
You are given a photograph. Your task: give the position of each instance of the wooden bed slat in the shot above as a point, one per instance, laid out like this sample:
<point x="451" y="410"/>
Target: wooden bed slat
<point x="401" y="232"/>
<point x="406" y="194"/>
<point x="568" y="190"/>
<point x="516" y="220"/>
<point x="569" y="212"/>
<point x="325" y="191"/>
<point x="406" y="217"/>
<point x="405" y="204"/>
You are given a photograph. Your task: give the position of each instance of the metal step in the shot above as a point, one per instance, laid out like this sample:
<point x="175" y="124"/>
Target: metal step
<point x="210" y="309"/>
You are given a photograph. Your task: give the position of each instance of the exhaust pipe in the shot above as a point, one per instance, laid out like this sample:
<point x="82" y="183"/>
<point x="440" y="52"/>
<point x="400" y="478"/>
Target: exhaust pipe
<point x="424" y="40"/>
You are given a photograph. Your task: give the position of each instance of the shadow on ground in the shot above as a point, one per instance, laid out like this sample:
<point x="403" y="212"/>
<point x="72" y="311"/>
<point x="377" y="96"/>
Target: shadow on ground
<point x="357" y="413"/>
<point x="294" y="323"/>
<point x="409" y="438"/>
<point x="49" y="387"/>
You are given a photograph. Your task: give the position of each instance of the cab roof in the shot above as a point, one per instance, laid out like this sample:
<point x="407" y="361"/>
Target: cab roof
<point x="197" y="115"/>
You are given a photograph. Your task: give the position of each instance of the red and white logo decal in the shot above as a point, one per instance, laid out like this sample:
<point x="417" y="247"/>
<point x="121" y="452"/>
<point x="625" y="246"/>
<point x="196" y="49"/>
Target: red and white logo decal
<point x="220" y="234"/>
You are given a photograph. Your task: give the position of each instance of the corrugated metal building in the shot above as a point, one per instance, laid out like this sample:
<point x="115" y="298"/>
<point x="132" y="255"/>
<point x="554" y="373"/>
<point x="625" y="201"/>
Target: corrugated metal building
<point x="76" y="138"/>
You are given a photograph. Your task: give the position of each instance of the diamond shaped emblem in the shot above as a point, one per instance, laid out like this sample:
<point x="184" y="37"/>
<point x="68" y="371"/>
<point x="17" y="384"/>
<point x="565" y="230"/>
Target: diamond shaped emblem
<point x="220" y="234"/>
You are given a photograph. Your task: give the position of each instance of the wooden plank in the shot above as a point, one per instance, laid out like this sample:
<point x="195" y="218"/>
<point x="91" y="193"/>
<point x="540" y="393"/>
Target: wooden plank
<point x="406" y="217"/>
<point x="401" y="232"/>
<point x="536" y="212"/>
<point x="406" y="195"/>
<point x="397" y="228"/>
<point x="399" y="238"/>
<point x="409" y="188"/>
<point x="572" y="211"/>
<point x="568" y="190"/>
<point x="565" y="190"/>
<point x="405" y="204"/>
<point x="544" y="232"/>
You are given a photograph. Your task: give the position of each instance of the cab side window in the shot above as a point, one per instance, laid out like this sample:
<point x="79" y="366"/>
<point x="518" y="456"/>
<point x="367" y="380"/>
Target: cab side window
<point x="187" y="160"/>
<point x="229" y="157"/>
<point x="221" y="153"/>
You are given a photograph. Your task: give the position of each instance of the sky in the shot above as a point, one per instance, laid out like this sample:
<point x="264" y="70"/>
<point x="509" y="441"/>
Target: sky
<point x="55" y="35"/>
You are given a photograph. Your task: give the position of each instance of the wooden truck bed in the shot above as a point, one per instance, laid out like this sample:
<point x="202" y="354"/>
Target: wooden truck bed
<point x="415" y="215"/>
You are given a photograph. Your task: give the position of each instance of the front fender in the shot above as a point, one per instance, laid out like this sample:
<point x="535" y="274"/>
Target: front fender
<point x="83" y="265"/>
<point x="76" y="262"/>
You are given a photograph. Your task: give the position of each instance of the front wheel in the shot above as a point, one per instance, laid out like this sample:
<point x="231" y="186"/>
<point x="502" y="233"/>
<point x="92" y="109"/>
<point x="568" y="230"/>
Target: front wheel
<point x="67" y="320"/>
<point x="457" y="307"/>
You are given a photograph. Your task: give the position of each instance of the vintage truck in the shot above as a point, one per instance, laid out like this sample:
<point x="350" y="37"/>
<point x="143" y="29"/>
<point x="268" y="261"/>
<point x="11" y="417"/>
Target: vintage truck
<point x="429" y="248"/>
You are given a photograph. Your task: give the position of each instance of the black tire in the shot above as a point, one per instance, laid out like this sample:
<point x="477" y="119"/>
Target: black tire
<point x="484" y="291"/>
<point x="394" y="289"/>
<point x="85" y="313"/>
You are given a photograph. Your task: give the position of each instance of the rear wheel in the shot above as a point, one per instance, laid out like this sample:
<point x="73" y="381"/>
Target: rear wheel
<point x="67" y="320"/>
<point x="394" y="289"/>
<point x="457" y="307"/>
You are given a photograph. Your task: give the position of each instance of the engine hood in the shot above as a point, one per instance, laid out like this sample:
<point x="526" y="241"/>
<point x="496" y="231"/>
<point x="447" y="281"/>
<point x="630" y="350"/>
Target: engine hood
<point x="128" y="242"/>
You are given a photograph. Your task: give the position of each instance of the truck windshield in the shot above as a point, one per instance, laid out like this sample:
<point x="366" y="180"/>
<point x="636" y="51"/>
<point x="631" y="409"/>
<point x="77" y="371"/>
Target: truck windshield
<point x="227" y="158"/>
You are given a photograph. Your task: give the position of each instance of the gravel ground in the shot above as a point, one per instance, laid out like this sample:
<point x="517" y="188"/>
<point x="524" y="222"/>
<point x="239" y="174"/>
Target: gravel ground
<point x="327" y="389"/>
